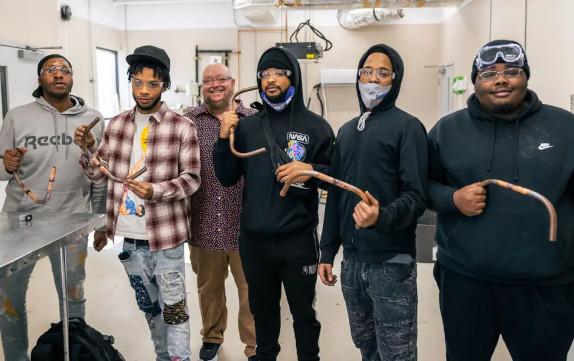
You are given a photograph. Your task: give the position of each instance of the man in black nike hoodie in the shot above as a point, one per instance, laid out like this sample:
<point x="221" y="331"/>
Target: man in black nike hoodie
<point x="497" y="272"/>
<point x="383" y="151"/>
<point x="278" y="242"/>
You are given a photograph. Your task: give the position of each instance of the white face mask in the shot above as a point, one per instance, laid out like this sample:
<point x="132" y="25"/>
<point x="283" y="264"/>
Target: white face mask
<point x="373" y="93"/>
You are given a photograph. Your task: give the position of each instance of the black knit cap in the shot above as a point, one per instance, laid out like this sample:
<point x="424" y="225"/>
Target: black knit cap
<point x="149" y="53"/>
<point x="525" y="67"/>
<point x="48" y="57"/>
<point x="274" y="59"/>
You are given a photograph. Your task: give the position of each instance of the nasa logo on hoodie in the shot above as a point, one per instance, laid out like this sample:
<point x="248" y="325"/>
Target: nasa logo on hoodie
<point x="295" y="148"/>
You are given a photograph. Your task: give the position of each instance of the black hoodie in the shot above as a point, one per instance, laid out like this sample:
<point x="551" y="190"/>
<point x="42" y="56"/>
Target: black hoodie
<point x="264" y="212"/>
<point x="508" y="242"/>
<point x="389" y="159"/>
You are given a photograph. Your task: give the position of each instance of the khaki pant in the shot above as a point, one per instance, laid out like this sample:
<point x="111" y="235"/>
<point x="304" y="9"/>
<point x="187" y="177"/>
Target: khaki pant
<point x="211" y="268"/>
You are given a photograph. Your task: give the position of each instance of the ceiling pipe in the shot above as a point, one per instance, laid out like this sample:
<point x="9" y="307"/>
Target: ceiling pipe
<point x="358" y="18"/>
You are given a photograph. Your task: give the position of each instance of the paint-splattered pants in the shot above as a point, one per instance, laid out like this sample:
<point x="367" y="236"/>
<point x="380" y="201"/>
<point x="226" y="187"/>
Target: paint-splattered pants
<point x="158" y="278"/>
<point x="381" y="301"/>
<point x="13" y="316"/>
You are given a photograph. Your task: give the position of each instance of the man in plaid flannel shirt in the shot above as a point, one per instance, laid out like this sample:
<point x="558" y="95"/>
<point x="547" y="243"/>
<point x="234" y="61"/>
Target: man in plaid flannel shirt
<point x="153" y="214"/>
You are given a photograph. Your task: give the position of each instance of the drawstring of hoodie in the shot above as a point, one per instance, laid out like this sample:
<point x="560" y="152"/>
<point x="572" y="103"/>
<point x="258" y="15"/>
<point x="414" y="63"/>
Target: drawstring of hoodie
<point x="492" y="150"/>
<point x="55" y="117"/>
<point x="362" y="121"/>
<point x="515" y="153"/>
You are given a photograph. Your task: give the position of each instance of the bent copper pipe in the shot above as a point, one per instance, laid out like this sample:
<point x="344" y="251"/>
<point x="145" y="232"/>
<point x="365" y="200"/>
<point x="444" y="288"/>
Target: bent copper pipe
<point x="29" y="192"/>
<point x="326" y="178"/>
<point x="232" y="130"/>
<point x="100" y="165"/>
<point x="531" y="193"/>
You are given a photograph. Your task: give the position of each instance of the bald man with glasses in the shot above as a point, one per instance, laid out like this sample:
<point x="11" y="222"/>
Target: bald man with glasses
<point x="215" y="210"/>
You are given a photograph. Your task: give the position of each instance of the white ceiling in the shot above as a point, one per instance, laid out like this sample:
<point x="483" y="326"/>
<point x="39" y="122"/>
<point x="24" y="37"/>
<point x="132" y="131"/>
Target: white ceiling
<point x="202" y="14"/>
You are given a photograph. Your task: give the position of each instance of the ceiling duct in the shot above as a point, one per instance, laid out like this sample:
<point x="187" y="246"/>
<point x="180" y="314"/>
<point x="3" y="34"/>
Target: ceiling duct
<point x="346" y="4"/>
<point x="354" y="19"/>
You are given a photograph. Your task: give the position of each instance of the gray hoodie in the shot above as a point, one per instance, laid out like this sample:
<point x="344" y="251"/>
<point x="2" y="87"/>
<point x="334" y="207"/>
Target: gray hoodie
<point x="48" y="136"/>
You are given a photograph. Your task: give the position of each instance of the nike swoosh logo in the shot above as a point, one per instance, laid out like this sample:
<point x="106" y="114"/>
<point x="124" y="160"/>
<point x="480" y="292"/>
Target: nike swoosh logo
<point x="545" y="146"/>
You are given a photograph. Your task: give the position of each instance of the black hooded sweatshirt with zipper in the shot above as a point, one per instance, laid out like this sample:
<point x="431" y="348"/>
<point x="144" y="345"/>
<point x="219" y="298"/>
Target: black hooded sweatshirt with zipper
<point x="264" y="212"/>
<point x="389" y="159"/>
<point x="508" y="242"/>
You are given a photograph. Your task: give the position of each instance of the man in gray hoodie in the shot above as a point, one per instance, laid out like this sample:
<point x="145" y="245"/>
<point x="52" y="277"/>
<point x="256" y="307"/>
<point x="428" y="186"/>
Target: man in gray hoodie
<point x="33" y="138"/>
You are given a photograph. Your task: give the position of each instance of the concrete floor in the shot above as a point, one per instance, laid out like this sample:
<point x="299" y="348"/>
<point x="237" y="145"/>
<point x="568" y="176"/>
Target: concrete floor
<point x="112" y="309"/>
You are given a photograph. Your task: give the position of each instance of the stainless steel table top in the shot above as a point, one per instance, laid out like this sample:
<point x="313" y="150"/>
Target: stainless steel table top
<point x="23" y="243"/>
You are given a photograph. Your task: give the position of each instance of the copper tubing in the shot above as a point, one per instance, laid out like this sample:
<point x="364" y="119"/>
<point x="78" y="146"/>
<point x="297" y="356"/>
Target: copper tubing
<point x="232" y="131"/>
<point x="326" y="178"/>
<point x="100" y="165"/>
<point x="32" y="195"/>
<point x="531" y="193"/>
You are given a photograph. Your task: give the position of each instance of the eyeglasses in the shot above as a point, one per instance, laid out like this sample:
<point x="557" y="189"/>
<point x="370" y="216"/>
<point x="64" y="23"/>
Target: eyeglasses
<point x="509" y="53"/>
<point x="219" y="80"/>
<point x="138" y="83"/>
<point x="53" y="69"/>
<point x="277" y="74"/>
<point x="381" y="73"/>
<point x="506" y="73"/>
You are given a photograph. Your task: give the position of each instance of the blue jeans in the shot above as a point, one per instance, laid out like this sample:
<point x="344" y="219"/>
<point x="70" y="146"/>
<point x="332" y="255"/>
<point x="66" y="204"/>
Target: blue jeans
<point x="158" y="279"/>
<point x="13" y="289"/>
<point x="381" y="301"/>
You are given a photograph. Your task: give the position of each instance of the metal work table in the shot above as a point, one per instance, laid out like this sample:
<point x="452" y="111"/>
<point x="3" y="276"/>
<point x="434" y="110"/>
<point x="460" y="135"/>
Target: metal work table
<point x="24" y="242"/>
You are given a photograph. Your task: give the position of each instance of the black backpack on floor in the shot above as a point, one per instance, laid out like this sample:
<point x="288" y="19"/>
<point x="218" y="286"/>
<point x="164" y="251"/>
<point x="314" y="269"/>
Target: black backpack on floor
<point x="86" y="344"/>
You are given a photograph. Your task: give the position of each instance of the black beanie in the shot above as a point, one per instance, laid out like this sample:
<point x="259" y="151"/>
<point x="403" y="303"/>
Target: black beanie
<point x="274" y="59"/>
<point x="525" y="67"/>
<point x="48" y="57"/>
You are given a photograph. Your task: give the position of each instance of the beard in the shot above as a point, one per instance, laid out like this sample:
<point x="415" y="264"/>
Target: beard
<point x="275" y="99"/>
<point x="509" y="106"/>
<point x="150" y="107"/>
<point x="46" y="88"/>
<point x="217" y="105"/>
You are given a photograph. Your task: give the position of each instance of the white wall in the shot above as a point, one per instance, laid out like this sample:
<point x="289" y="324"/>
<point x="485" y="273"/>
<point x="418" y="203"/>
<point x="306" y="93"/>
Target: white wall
<point x="417" y="44"/>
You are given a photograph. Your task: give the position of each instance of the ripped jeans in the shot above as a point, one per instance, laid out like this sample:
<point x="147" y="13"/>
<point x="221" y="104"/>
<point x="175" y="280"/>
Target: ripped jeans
<point x="381" y="301"/>
<point x="13" y="289"/>
<point x="158" y="278"/>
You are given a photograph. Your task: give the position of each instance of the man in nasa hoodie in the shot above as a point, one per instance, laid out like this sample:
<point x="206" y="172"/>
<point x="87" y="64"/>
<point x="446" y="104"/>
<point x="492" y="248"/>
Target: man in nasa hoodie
<point x="33" y="138"/>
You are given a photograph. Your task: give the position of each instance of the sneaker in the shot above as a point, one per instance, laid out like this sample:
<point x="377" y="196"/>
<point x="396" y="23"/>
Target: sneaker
<point x="252" y="358"/>
<point x="209" y="351"/>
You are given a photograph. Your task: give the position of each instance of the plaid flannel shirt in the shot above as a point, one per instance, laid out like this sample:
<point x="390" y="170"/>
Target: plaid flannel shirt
<point x="173" y="164"/>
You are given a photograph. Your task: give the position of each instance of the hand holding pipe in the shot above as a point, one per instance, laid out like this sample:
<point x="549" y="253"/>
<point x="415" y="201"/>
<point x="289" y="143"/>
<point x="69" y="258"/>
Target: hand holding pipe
<point x="323" y="177"/>
<point x="97" y="163"/>
<point x="32" y="195"/>
<point x="551" y="211"/>
<point x="232" y="131"/>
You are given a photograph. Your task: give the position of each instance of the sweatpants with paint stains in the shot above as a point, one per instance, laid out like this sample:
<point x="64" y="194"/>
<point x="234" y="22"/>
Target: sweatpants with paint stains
<point x="158" y="279"/>
<point x="13" y="289"/>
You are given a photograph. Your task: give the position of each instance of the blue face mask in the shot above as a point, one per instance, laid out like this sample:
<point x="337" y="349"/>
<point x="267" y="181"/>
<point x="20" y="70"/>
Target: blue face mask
<point x="373" y="93"/>
<point x="279" y="107"/>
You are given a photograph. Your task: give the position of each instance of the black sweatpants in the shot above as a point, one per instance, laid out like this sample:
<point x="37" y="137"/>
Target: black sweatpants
<point x="536" y="322"/>
<point x="291" y="261"/>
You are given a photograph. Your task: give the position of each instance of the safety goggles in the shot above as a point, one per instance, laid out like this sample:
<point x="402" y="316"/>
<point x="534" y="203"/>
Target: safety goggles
<point x="509" y="53"/>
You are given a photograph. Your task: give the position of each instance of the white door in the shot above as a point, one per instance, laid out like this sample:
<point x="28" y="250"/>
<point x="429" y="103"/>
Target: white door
<point x="445" y="94"/>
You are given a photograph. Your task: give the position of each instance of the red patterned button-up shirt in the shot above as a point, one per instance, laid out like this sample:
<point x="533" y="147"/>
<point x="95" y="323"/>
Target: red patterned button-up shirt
<point x="215" y="210"/>
<point x="173" y="165"/>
